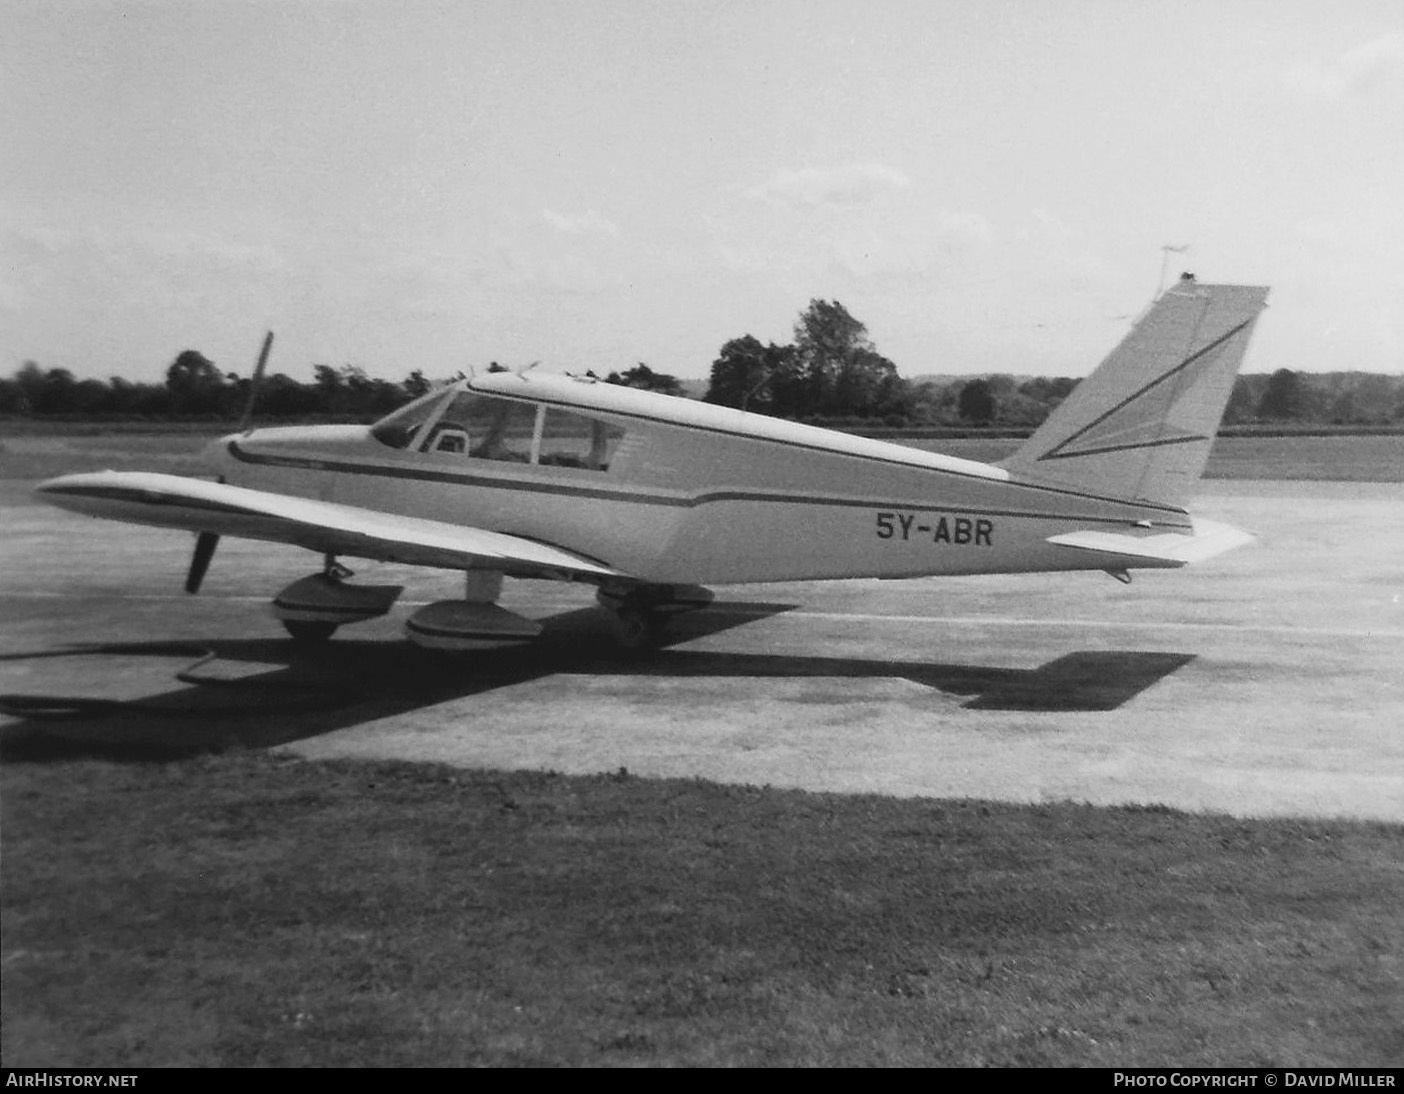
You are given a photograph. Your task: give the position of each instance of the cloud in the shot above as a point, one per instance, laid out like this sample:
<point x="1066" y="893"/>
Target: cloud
<point x="89" y="268"/>
<point x="921" y="246"/>
<point x="850" y="184"/>
<point x="1360" y="71"/>
<point x="586" y="223"/>
<point x="517" y="267"/>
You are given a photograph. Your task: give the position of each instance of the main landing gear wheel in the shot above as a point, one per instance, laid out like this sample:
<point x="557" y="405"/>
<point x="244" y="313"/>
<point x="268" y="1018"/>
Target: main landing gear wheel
<point x="309" y="631"/>
<point x="640" y="614"/>
<point x="638" y="631"/>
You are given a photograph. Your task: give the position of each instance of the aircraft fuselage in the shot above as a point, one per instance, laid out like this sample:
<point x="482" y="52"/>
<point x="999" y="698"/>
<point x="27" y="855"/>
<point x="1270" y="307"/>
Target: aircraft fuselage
<point x="723" y="497"/>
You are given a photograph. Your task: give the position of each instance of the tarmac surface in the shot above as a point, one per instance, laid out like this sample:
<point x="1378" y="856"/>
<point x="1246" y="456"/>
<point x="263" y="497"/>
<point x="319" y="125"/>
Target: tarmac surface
<point x="1269" y="681"/>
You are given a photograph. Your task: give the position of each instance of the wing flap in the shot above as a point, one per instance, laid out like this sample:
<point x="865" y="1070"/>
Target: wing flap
<point x="1166" y="550"/>
<point x="170" y="501"/>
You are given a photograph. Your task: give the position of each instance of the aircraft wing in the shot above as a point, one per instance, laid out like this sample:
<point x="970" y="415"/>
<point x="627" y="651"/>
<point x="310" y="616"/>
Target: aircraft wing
<point x="170" y="501"/>
<point x="1167" y="550"/>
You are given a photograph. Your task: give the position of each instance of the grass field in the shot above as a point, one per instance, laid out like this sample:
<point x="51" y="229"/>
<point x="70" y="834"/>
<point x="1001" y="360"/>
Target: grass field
<point x="246" y="908"/>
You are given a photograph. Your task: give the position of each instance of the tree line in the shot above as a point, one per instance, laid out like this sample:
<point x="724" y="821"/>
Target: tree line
<point x="830" y="374"/>
<point x="194" y="389"/>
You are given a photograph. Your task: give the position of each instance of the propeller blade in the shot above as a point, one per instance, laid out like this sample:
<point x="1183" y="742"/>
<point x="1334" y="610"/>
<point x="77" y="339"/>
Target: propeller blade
<point x="205" y="544"/>
<point x="255" y="384"/>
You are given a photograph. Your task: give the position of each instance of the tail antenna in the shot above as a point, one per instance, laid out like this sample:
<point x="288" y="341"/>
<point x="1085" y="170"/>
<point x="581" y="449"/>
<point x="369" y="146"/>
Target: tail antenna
<point x="1166" y="251"/>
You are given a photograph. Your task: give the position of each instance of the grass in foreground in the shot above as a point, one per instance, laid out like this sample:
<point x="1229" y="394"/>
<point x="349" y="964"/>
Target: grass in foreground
<point x="246" y="909"/>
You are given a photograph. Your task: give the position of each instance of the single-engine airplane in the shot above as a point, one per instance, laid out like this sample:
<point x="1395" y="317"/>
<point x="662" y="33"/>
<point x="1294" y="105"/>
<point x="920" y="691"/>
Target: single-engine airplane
<point x="650" y="498"/>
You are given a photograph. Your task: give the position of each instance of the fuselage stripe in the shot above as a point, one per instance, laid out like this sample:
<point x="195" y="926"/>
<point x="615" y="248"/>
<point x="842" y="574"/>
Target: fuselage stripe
<point x="893" y="461"/>
<point x="678" y="501"/>
<point x="429" y="475"/>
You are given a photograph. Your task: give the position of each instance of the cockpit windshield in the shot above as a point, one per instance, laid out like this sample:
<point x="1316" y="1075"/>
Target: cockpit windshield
<point x="457" y="423"/>
<point x="398" y="428"/>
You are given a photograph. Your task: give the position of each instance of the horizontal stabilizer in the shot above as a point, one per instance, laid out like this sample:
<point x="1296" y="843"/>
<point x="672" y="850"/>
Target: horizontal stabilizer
<point x="170" y="501"/>
<point x="1165" y="550"/>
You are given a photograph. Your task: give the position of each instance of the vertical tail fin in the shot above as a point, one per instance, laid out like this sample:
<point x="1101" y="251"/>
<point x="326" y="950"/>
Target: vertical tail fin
<point x="1141" y="426"/>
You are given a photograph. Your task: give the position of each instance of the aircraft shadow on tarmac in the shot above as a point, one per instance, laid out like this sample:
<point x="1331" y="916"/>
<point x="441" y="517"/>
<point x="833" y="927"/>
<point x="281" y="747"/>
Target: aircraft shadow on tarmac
<point x="258" y="693"/>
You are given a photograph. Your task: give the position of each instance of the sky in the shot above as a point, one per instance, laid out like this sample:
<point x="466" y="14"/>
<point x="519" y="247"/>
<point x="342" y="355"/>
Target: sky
<point x="988" y="185"/>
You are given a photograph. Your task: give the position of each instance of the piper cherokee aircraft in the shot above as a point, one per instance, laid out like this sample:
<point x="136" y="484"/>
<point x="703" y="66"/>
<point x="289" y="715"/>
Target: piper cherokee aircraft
<point x="649" y="497"/>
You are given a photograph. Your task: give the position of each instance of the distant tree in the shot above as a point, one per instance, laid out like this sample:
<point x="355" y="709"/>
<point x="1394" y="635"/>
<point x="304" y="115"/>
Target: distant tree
<point x="127" y="399"/>
<point x="868" y="385"/>
<point x="837" y="370"/>
<point x="1373" y="399"/>
<point x="1019" y="409"/>
<point x="415" y="384"/>
<point x="348" y="392"/>
<point x="933" y="403"/>
<point x="1049" y="390"/>
<point x="826" y="338"/>
<point x="1002" y="384"/>
<point x="976" y="403"/>
<point x="375" y="397"/>
<point x="1030" y="402"/>
<point x="191" y="368"/>
<point x="91" y="397"/>
<point x="360" y="390"/>
<point x="1283" y="399"/>
<point x="832" y="370"/>
<point x="12" y="398"/>
<point x="195" y="385"/>
<point x="30" y="381"/>
<point x="283" y="397"/>
<point x="1343" y="409"/>
<point x="643" y="377"/>
<point x="48" y="391"/>
<point x="743" y="372"/>
<point x="1243" y="401"/>
<point x="738" y="372"/>
<point x="330" y="390"/>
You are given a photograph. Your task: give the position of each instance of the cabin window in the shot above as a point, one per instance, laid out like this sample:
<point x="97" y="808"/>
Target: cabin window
<point x="485" y="428"/>
<point x="573" y="440"/>
<point x="462" y="423"/>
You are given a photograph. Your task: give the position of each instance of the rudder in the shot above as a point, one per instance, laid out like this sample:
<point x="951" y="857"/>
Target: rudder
<point x="1141" y="426"/>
